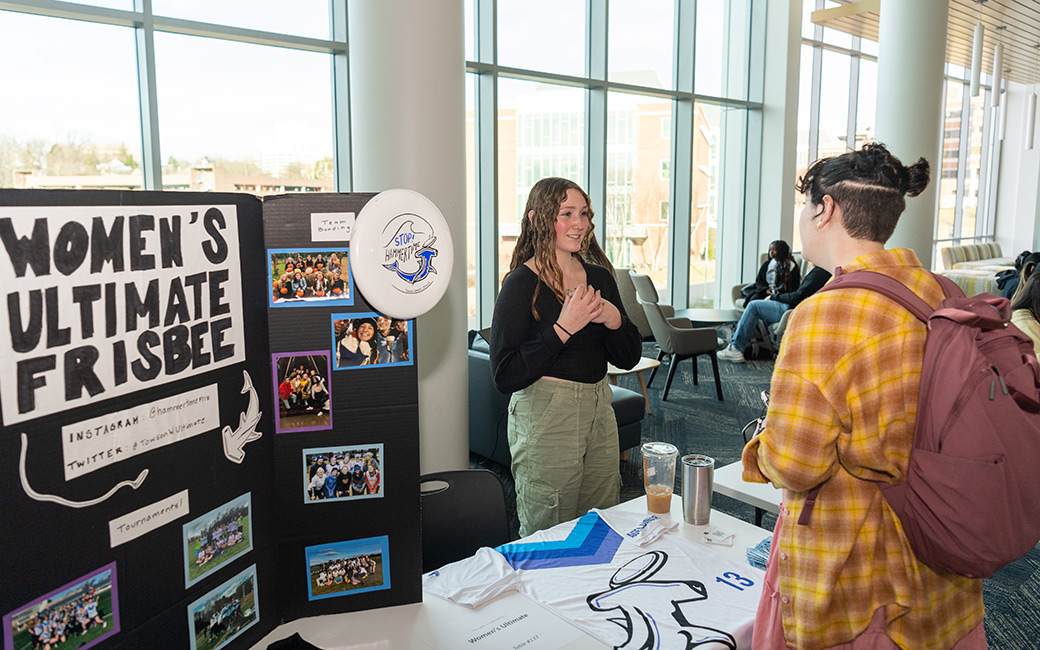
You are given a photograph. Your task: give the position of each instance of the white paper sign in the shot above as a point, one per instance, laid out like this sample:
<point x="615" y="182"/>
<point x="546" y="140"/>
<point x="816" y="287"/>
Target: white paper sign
<point x="331" y="226"/>
<point x="512" y="622"/>
<point x="102" y="441"/>
<point x="99" y="302"/>
<point x="146" y="519"/>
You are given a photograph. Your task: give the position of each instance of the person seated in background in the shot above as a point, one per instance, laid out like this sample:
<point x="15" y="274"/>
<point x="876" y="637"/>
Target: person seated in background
<point x="1025" y="310"/>
<point x="1025" y="264"/>
<point x="769" y="311"/>
<point x="778" y="274"/>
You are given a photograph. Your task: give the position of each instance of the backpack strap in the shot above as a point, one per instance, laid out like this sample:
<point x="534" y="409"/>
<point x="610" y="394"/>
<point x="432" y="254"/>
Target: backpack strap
<point x="890" y="288"/>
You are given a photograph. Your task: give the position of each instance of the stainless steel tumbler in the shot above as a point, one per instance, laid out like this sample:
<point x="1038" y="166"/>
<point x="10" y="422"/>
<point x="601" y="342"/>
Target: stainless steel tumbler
<point x="698" y="472"/>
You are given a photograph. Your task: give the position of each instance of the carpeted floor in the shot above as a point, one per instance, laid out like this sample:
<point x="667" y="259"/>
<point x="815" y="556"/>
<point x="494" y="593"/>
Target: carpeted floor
<point x="694" y="421"/>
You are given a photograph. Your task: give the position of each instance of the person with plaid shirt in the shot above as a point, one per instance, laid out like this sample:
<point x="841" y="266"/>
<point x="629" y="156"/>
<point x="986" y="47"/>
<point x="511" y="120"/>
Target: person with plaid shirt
<point x="843" y="402"/>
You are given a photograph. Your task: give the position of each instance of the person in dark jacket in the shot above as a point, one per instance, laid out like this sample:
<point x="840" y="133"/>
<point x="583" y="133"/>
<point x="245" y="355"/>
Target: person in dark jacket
<point x="769" y="311"/>
<point x="778" y="274"/>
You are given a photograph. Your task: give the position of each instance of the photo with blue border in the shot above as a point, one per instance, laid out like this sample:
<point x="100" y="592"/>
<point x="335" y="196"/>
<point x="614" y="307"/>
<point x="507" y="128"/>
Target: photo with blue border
<point x="225" y="612"/>
<point x="298" y="406"/>
<point x="91" y="604"/>
<point x="216" y="537"/>
<point x="299" y="279"/>
<point x="371" y="340"/>
<point x="318" y="487"/>
<point x="348" y="568"/>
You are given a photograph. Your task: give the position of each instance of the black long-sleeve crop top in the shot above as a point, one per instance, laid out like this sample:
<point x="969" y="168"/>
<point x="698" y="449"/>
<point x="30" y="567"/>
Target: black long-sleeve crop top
<point x="524" y="350"/>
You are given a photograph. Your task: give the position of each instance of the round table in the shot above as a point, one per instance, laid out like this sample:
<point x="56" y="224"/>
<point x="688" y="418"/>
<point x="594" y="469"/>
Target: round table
<point x="706" y="317"/>
<point x="645" y="363"/>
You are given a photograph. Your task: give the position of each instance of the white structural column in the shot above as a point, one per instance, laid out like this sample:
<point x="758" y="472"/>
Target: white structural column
<point x="407" y="102"/>
<point x="911" y="53"/>
<point x="777" y="218"/>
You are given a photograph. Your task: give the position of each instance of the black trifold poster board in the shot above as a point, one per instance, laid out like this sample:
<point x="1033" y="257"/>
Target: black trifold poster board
<point x="205" y="430"/>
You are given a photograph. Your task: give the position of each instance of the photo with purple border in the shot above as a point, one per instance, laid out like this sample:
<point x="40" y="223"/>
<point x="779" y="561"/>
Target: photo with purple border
<point x="301" y="408"/>
<point x="92" y="600"/>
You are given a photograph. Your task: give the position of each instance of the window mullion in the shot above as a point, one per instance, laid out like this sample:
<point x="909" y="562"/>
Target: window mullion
<point x="340" y="71"/>
<point x="596" y="29"/>
<point x="963" y="144"/>
<point x="486" y="150"/>
<point x="144" y="38"/>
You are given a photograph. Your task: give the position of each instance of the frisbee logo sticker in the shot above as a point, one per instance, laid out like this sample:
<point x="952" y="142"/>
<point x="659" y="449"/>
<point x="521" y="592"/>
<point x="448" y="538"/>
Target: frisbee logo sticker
<point x="409" y="251"/>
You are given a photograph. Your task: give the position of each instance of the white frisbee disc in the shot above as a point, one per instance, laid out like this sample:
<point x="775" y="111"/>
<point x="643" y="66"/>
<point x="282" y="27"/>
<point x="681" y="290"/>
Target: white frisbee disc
<point x="401" y="253"/>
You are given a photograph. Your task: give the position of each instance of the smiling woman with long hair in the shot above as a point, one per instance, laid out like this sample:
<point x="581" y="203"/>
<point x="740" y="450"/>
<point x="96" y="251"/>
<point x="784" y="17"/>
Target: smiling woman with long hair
<point x="558" y="322"/>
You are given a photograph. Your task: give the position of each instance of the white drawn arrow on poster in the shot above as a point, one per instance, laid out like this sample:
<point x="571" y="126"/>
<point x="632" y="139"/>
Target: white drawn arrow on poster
<point x="234" y="441"/>
<point x="33" y="494"/>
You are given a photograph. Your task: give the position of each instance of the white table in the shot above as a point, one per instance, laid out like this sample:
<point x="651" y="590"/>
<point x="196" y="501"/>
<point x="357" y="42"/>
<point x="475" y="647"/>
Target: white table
<point x="417" y="626"/>
<point x="727" y="480"/>
<point x="645" y="363"/>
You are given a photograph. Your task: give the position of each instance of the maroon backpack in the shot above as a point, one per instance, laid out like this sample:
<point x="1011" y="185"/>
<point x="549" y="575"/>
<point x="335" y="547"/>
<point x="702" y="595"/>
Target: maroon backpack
<point x="971" y="500"/>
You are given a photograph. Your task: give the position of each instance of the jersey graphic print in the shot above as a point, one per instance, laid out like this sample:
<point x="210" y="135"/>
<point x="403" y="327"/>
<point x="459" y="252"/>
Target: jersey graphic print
<point x="619" y="577"/>
<point x="637" y="604"/>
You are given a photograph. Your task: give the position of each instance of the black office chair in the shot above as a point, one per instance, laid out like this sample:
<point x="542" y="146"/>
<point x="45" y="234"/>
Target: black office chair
<point x="462" y="510"/>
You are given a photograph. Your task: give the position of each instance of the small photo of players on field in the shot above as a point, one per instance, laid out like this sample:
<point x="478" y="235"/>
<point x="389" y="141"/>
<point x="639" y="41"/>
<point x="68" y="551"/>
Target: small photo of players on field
<point x="216" y="537"/>
<point x="78" y="615"/>
<point x="224" y="613"/>
<point x="347" y="568"/>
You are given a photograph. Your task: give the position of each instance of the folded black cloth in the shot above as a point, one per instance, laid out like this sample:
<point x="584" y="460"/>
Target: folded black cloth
<point x="294" y="642"/>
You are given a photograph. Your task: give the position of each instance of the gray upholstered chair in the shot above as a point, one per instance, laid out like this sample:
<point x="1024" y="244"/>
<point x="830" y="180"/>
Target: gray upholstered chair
<point x="635" y="311"/>
<point x="675" y="336"/>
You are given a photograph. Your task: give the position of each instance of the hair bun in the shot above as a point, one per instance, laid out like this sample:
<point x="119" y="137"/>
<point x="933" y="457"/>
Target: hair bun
<point x="916" y="177"/>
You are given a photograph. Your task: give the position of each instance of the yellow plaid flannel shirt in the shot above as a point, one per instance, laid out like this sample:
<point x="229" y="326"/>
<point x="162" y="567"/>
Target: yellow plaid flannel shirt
<point x="843" y="402"/>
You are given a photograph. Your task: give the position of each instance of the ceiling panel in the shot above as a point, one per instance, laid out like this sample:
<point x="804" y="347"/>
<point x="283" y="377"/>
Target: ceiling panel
<point x="1019" y="18"/>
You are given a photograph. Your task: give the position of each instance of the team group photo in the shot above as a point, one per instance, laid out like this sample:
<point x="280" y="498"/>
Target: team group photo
<point x="302" y="382"/>
<point x="216" y="537"/>
<point x="345" y="568"/>
<point x="305" y="276"/>
<point x="340" y="473"/>
<point x="77" y="616"/>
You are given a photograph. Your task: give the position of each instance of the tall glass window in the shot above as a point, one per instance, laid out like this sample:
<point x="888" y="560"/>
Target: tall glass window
<point x="640" y="42"/>
<point x="953" y="114"/>
<point x="599" y="96"/>
<point x="808" y="130"/>
<point x="638" y="182"/>
<point x="722" y="48"/>
<point x="866" y="102"/>
<point x="300" y="17"/>
<point x="80" y="128"/>
<point x="225" y="132"/>
<point x="825" y="125"/>
<point x="545" y="35"/>
<point x="540" y="133"/>
<point x="707" y="183"/>
<point x="834" y="105"/>
<point x="471" y="197"/>
<point x="207" y="112"/>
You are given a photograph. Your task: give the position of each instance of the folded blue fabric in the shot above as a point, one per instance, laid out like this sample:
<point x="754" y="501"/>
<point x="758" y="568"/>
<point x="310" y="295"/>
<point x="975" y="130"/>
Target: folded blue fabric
<point x="759" y="553"/>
